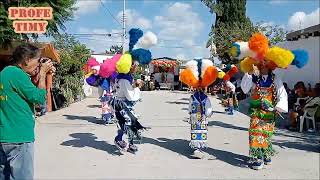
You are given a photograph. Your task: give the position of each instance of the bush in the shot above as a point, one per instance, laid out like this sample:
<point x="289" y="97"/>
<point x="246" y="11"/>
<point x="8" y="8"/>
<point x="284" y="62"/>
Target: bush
<point x="69" y="76"/>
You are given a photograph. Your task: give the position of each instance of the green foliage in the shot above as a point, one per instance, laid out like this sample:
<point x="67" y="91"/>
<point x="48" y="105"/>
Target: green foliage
<point x="62" y="11"/>
<point x="232" y="25"/>
<point x="69" y="76"/>
<point x="275" y="33"/>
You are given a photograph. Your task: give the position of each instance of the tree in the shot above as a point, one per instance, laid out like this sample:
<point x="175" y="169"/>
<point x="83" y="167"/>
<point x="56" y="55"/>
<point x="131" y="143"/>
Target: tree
<point x="114" y="49"/>
<point x="275" y="33"/>
<point x="69" y="75"/>
<point x="62" y="12"/>
<point x="231" y="24"/>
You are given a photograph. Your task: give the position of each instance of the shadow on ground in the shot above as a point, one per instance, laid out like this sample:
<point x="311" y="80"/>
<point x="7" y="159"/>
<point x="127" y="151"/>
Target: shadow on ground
<point x="177" y="102"/>
<point x="299" y="141"/>
<point x="226" y="125"/>
<point x="181" y="146"/>
<point x="94" y="106"/>
<point x="90" y="140"/>
<point x="90" y="119"/>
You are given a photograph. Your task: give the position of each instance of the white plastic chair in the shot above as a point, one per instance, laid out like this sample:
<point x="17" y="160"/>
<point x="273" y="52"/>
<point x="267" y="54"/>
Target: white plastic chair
<point x="305" y="116"/>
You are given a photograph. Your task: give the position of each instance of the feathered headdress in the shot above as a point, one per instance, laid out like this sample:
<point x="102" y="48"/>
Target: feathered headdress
<point x="257" y="51"/>
<point x="199" y="73"/>
<point x="138" y="45"/>
<point x="227" y="72"/>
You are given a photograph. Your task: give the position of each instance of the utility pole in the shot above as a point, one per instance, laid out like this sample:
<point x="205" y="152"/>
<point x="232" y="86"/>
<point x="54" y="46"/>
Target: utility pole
<point x="123" y="25"/>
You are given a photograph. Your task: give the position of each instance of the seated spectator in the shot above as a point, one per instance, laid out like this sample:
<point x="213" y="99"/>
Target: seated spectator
<point x="295" y="106"/>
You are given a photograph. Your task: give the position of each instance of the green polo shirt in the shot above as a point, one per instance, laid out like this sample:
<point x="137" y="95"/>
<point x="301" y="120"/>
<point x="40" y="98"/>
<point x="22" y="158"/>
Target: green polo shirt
<point x="17" y="98"/>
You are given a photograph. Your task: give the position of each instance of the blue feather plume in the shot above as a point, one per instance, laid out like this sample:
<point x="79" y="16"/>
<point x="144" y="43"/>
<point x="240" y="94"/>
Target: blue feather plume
<point x="141" y="55"/>
<point x="135" y="35"/>
<point x="301" y="58"/>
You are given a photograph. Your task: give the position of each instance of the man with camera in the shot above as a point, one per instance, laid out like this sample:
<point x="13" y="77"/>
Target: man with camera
<point x="17" y="119"/>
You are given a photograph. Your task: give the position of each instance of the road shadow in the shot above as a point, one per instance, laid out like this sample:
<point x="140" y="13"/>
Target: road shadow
<point x="185" y="109"/>
<point x="226" y="125"/>
<point x="89" y="140"/>
<point x="176" y="102"/>
<point x="90" y="119"/>
<point x="219" y="112"/>
<point x="181" y="146"/>
<point x="299" y="145"/>
<point x="94" y="106"/>
<point x="185" y="99"/>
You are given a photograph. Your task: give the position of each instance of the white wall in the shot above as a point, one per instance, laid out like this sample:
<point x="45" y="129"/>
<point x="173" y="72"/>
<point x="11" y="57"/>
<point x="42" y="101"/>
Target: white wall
<point x="309" y="73"/>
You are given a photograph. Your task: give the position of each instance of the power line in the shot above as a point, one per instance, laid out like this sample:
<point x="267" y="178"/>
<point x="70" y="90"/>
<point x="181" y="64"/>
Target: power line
<point x="110" y="12"/>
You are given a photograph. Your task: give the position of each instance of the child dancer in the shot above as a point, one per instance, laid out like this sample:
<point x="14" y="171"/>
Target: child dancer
<point x="199" y="74"/>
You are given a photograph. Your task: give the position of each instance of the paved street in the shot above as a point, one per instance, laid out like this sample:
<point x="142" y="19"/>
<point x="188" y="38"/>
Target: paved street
<point x="71" y="144"/>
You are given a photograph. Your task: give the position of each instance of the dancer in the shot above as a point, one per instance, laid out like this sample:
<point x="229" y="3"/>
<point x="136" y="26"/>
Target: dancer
<point x="127" y="92"/>
<point x="268" y="95"/>
<point x="199" y="74"/>
<point x="230" y="91"/>
<point x="107" y="113"/>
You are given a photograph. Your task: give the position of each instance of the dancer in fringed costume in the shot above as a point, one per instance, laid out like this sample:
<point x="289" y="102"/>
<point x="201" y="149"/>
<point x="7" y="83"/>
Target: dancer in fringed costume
<point x="199" y="74"/>
<point x="127" y="92"/>
<point x="268" y="95"/>
<point x="226" y="74"/>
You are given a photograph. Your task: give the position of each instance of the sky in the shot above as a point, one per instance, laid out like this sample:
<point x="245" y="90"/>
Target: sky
<point x="182" y="27"/>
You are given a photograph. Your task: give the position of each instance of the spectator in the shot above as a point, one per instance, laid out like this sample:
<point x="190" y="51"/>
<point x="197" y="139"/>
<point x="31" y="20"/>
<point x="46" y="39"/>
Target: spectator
<point x="17" y="111"/>
<point x="286" y="87"/>
<point x="298" y="101"/>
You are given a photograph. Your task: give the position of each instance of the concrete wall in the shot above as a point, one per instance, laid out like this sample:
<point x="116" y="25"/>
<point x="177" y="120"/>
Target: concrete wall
<point x="308" y="74"/>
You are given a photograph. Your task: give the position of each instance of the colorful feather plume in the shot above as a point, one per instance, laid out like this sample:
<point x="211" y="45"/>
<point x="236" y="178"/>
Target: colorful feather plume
<point x="281" y="57"/>
<point x="199" y="73"/>
<point x="135" y="35"/>
<point x="300" y="58"/>
<point x="141" y="55"/>
<point x="259" y="44"/>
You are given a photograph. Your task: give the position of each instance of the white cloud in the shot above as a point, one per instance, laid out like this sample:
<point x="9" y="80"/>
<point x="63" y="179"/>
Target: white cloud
<point x="266" y="24"/>
<point x="100" y="43"/>
<point x="87" y="7"/>
<point x="277" y="2"/>
<point x="134" y="19"/>
<point x="301" y="20"/>
<point x="182" y="26"/>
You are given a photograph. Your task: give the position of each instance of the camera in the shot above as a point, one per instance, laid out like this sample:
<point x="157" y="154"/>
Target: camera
<point x="43" y="60"/>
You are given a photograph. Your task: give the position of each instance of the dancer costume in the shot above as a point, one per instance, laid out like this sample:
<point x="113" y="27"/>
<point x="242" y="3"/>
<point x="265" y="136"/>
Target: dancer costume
<point x="126" y="94"/>
<point x="98" y="77"/>
<point x="199" y="74"/>
<point x="226" y="74"/>
<point x="268" y="94"/>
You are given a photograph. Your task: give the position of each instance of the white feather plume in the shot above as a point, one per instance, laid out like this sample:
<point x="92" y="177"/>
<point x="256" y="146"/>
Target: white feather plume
<point x="193" y="65"/>
<point x="148" y="40"/>
<point x="205" y="64"/>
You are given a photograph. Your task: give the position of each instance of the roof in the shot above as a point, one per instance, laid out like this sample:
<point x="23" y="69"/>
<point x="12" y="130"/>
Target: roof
<point x="304" y="33"/>
<point x="165" y="58"/>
